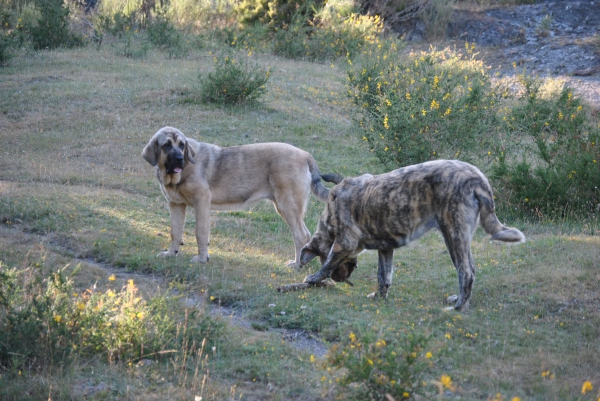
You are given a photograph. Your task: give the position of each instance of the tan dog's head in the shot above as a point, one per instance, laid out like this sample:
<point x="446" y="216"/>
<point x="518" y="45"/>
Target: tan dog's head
<point x="320" y="245"/>
<point x="169" y="149"/>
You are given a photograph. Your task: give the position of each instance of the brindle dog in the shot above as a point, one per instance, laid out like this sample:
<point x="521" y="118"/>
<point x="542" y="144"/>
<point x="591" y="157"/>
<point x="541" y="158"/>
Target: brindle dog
<point x="390" y="210"/>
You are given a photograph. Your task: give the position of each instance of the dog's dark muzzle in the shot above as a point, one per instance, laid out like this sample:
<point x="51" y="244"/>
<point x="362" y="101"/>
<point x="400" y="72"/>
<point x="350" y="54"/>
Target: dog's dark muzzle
<point x="174" y="162"/>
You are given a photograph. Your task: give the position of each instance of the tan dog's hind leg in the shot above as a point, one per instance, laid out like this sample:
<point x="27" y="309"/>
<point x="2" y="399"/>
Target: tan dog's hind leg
<point x="292" y="208"/>
<point x="177" y="211"/>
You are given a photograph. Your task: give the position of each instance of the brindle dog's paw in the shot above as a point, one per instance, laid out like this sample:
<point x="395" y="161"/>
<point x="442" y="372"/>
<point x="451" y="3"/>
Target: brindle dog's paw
<point x="451" y="300"/>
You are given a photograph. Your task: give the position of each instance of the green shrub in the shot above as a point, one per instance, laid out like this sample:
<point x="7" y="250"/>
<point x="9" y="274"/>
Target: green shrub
<point x="436" y="104"/>
<point x="52" y="28"/>
<point x="374" y="367"/>
<point x="233" y="81"/>
<point x="560" y="175"/>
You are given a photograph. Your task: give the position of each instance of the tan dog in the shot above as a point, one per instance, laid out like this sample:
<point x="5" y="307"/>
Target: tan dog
<point x="206" y="177"/>
<point x="390" y="210"/>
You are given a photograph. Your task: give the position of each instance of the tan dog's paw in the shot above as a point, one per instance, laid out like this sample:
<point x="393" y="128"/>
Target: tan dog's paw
<point x="292" y="263"/>
<point x="166" y="254"/>
<point x="373" y="295"/>
<point x="200" y="259"/>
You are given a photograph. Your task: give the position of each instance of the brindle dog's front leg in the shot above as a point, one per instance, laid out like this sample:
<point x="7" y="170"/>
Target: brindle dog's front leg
<point x="177" y="211"/>
<point x="334" y="259"/>
<point x="385" y="272"/>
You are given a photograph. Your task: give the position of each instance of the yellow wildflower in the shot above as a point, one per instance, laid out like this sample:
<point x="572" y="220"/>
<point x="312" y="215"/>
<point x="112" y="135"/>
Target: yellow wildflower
<point x="587" y="386"/>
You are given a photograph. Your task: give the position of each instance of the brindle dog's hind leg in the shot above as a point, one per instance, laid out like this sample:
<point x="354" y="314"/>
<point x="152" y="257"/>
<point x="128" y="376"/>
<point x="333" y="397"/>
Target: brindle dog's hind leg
<point x="459" y="247"/>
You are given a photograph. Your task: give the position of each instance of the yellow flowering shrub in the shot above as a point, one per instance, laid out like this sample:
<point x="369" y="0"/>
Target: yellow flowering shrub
<point x="372" y="367"/>
<point x="429" y="105"/>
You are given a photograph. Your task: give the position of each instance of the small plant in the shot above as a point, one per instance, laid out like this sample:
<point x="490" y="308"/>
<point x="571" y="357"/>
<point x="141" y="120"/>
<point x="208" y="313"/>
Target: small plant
<point x="373" y="367"/>
<point x="233" y="81"/>
<point x="543" y="29"/>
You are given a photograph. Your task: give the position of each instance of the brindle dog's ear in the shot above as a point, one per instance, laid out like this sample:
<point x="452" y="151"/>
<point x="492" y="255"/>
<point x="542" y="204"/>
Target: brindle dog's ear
<point x="190" y="153"/>
<point x="307" y="254"/>
<point x="150" y="152"/>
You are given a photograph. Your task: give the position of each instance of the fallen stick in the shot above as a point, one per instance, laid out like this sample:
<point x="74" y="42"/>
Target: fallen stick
<point x="303" y="286"/>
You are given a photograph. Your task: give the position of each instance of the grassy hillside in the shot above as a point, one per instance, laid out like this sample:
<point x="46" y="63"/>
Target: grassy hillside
<point x="76" y="196"/>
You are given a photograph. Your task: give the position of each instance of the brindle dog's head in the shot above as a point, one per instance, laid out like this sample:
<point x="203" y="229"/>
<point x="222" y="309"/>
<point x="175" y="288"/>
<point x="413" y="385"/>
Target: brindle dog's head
<point x="169" y="149"/>
<point x="320" y="245"/>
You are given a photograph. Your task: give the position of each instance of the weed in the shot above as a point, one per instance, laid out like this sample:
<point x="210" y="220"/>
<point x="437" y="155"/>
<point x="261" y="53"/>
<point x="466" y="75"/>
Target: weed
<point x="543" y="29"/>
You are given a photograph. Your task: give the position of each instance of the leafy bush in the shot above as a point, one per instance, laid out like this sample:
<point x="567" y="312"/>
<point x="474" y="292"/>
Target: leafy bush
<point x="436" y="104"/>
<point x="43" y="321"/>
<point x="52" y="28"/>
<point x="560" y="175"/>
<point x="233" y="81"/>
<point x="374" y="368"/>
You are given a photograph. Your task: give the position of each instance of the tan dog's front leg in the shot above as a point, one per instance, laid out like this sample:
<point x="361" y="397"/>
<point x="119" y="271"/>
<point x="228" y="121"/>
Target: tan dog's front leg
<point x="202" y="209"/>
<point x="177" y="211"/>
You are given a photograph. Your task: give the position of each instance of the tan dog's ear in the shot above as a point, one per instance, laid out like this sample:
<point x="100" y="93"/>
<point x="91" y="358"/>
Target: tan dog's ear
<point x="190" y="153"/>
<point x="150" y="152"/>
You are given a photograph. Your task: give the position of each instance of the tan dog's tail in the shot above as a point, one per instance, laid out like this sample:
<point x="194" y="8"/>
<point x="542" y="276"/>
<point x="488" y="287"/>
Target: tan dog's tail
<point x="490" y="222"/>
<point x="316" y="186"/>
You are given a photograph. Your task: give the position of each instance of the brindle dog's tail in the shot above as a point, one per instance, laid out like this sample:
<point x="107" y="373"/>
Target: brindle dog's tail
<point x="316" y="186"/>
<point x="490" y="222"/>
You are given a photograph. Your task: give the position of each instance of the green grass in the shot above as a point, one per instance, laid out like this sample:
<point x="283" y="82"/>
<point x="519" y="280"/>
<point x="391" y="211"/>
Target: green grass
<point x="74" y="190"/>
